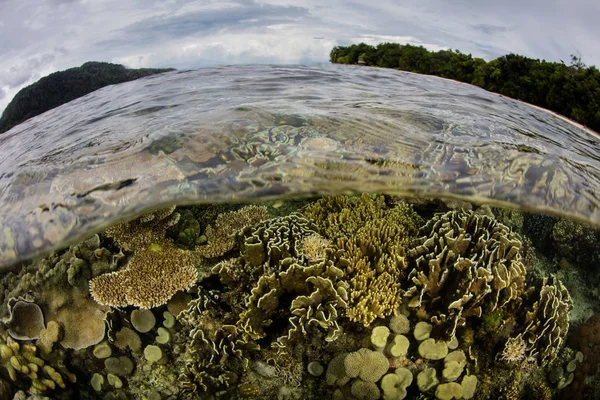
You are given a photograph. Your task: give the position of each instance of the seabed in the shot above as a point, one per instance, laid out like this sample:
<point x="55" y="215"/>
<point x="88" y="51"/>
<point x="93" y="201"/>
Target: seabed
<point x="341" y="297"/>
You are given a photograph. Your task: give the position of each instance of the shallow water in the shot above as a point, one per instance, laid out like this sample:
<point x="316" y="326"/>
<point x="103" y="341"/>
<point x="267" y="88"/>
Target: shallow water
<point x="260" y="132"/>
<point x="424" y="290"/>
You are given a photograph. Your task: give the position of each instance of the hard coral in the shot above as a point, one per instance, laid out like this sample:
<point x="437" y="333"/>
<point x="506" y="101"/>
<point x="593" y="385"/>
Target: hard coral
<point x="24" y="362"/>
<point x="26" y="320"/>
<point x="140" y="233"/>
<point x="373" y="240"/>
<point x="587" y="340"/>
<point x="221" y="235"/>
<point x="272" y="253"/>
<point x="157" y="269"/>
<point x="547" y="321"/>
<point x="471" y="263"/>
<point x="150" y="279"/>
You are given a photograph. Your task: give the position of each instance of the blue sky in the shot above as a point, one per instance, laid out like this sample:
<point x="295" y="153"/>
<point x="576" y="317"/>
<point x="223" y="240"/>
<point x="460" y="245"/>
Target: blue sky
<point x="38" y="37"/>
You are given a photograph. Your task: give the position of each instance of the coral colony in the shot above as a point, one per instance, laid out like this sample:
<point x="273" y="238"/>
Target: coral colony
<point x="345" y="297"/>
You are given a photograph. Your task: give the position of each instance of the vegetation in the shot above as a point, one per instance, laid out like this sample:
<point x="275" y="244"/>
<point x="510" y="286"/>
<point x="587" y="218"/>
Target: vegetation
<point x="571" y="90"/>
<point x="63" y="86"/>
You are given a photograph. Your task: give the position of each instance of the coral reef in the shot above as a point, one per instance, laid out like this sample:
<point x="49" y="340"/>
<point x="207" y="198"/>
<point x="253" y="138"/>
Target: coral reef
<point x="58" y="285"/>
<point x="350" y="298"/>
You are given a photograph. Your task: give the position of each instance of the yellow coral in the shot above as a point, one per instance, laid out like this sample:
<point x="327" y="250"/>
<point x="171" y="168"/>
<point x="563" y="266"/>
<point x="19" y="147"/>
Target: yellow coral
<point x="375" y="262"/>
<point x="23" y="361"/>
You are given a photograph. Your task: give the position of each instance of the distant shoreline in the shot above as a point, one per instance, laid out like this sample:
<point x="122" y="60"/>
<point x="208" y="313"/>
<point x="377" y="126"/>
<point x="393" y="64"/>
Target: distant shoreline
<point x="569" y="92"/>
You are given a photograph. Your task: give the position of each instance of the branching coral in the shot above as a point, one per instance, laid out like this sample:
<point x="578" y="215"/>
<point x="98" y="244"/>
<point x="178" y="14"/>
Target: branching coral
<point x="464" y="265"/>
<point x="373" y="241"/>
<point x="24" y="362"/>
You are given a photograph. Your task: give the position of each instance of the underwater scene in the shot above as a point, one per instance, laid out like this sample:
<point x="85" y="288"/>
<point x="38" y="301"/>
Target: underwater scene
<point x="342" y="297"/>
<point x="268" y="232"/>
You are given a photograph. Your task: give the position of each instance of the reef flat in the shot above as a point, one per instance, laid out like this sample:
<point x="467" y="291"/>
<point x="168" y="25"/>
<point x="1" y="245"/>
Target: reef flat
<point x="341" y="297"/>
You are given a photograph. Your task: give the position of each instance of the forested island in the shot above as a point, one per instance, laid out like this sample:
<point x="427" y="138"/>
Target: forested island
<point x="572" y="90"/>
<point x="61" y="87"/>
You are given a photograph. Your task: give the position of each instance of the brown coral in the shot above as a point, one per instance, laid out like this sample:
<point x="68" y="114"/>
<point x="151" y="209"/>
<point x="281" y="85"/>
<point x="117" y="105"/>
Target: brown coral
<point x="587" y="340"/>
<point x="221" y="235"/>
<point x="150" y="279"/>
<point x="26" y="320"/>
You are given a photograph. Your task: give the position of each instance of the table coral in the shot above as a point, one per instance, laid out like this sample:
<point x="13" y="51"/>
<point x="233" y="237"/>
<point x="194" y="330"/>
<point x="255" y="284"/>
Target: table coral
<point x="156" y="270"/>
<point x="150" y="279"/>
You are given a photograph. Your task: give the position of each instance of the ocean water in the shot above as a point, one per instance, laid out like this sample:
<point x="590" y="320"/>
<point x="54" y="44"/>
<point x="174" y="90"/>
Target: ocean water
<point x="339" y="232"/>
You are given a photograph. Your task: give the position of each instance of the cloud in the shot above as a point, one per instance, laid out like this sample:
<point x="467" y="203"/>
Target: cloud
<point x="24" y="71"/>
<point x="490" y="29"/>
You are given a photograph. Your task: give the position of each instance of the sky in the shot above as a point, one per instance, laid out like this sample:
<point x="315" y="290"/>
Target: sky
<point x="38" y="37"/>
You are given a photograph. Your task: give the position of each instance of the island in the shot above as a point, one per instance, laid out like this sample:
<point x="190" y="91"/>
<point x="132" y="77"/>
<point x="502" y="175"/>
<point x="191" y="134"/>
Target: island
<point x="63" y="86"/>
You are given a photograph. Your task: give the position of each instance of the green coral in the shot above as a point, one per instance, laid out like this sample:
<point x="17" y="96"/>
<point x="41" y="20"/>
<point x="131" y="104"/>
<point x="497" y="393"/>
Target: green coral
<point x="493" y="321"/>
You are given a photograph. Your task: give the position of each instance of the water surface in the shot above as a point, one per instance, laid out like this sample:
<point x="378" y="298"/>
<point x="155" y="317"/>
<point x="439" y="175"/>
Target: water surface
<point x="264" y="132"/>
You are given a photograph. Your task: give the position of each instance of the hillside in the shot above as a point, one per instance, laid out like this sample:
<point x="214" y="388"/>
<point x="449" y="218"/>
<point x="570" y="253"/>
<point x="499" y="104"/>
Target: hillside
<point x="61" y="87"/>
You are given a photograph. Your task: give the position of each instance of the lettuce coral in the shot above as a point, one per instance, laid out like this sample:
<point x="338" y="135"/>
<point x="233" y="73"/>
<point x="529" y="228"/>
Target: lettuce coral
<point x="464" y="264"/>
